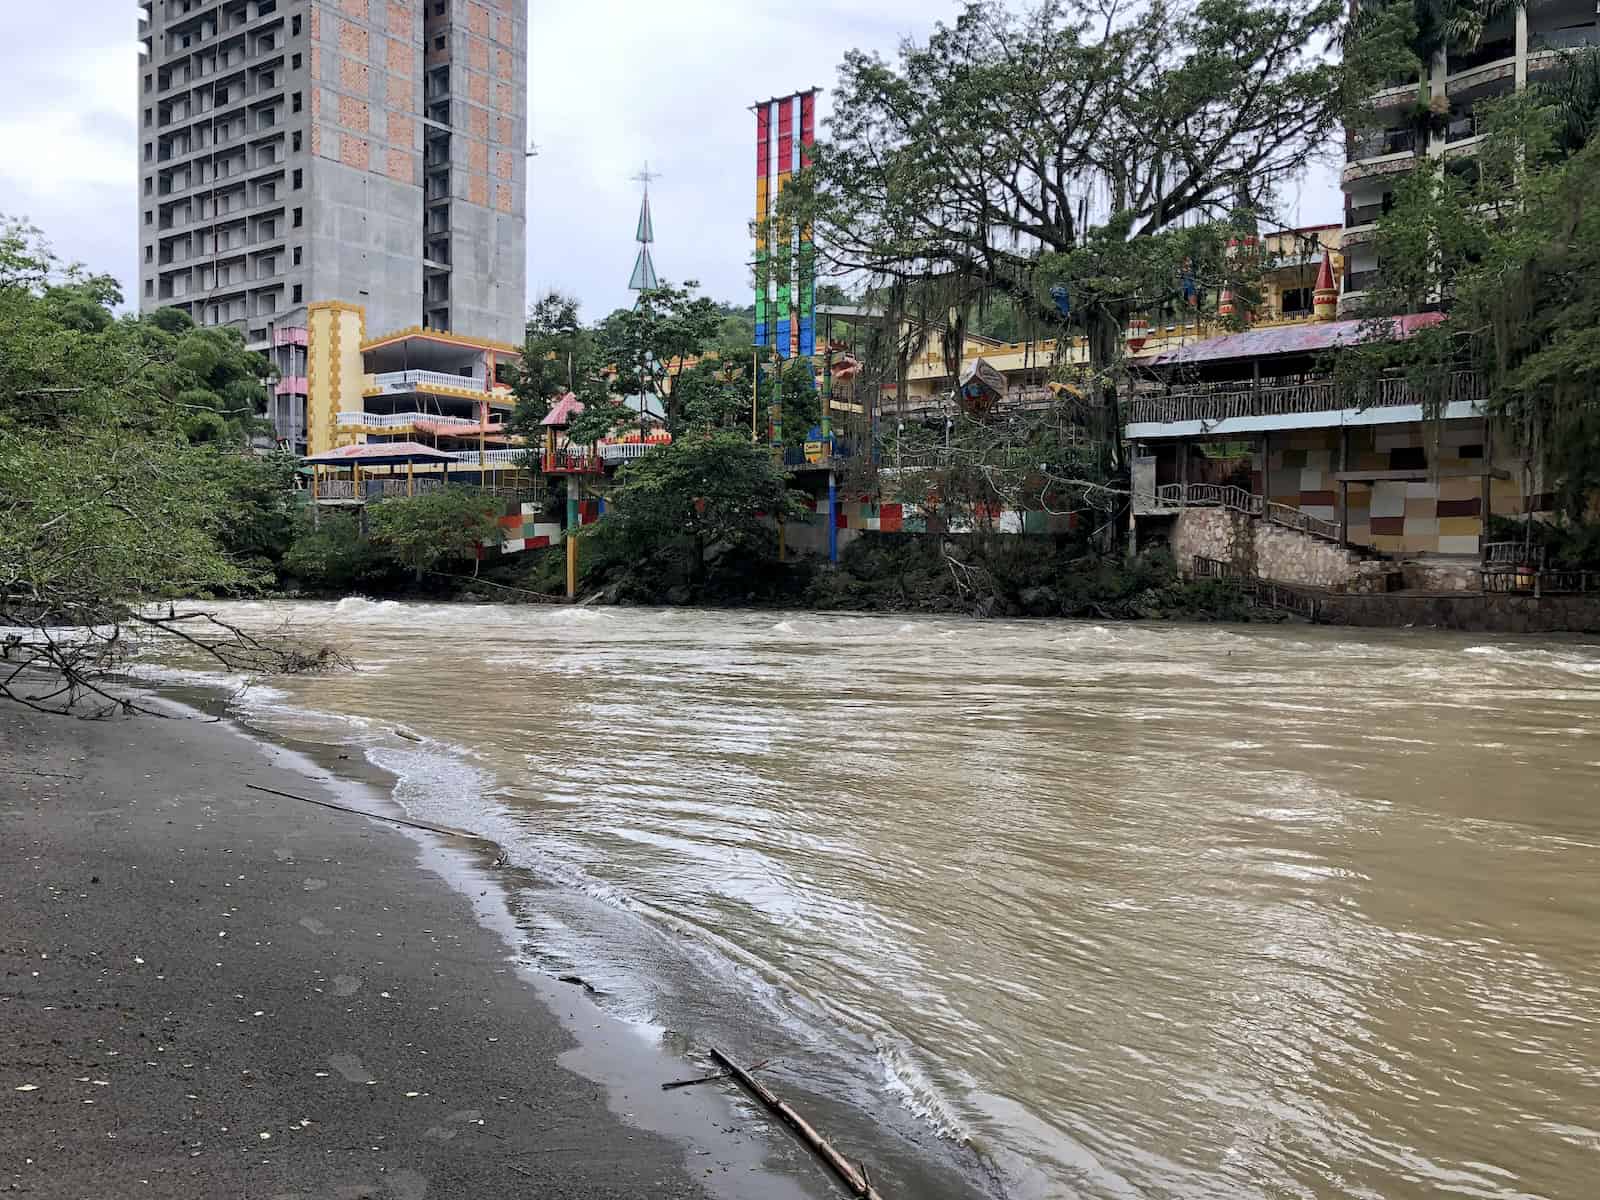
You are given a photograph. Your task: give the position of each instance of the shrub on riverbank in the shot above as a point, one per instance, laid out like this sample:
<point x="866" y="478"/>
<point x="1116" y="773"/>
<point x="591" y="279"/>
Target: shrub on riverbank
<point x="997" y="576"/>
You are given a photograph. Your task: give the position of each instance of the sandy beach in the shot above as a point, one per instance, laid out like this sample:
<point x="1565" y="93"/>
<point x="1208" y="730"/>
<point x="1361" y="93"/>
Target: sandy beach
<point x="211" y="992"/>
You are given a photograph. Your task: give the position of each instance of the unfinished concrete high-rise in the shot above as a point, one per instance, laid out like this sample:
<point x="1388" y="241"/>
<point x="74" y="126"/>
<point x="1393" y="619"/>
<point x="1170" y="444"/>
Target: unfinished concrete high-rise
<point x="369" y="152"/>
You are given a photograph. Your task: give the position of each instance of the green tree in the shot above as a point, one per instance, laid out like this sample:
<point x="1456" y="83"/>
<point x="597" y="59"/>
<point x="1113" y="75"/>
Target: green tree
<point x="105" y="501"/>
<point x="648" y="346"/>
<point x="333" y="555"/>
<point x="258" y="521"/>
<point x="709" y="486"/>
<point x="443" y="526"/>
<point x="1010" y="154"/>
<point x="558" y="355"/>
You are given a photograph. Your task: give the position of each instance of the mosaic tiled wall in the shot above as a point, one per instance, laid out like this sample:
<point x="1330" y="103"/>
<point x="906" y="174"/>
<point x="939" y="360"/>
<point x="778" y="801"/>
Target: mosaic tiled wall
<point x="1434" y="515"/>
<point x="521" y="529"/>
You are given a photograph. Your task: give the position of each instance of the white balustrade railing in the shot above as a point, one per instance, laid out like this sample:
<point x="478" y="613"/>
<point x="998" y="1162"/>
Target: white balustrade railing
<point x="471" y="457"/>
<point x="412" y="381"/>
<point x="617" y="452"/>
<point x="399" y="420"/>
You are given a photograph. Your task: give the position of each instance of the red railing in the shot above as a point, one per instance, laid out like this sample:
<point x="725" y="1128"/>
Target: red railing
<point x="572" y="462"/>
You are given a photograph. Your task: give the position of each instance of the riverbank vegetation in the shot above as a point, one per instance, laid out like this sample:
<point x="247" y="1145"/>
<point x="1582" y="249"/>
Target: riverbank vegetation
<point x="121" y="481"/>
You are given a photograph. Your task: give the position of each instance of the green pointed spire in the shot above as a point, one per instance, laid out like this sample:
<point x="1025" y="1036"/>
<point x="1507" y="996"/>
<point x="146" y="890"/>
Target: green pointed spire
<point x="644" y="273"/>
<point x="646" y="231"/>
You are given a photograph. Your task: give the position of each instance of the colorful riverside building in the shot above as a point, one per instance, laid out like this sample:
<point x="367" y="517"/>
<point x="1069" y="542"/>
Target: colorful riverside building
<point x="413" y="410"/>
<point x="1292" y="260"/>
<point x="1250" y="457"/>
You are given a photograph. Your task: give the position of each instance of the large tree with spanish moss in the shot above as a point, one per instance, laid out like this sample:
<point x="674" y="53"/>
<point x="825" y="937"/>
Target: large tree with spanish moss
<point x="1093" y="147"/>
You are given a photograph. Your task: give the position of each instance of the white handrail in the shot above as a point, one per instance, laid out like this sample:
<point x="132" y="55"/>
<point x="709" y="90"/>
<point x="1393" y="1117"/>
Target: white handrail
<point x="470" y="457"/>
<point x="409" y="381"/>
<point x="397" y="420"/>
<point x="614" y="452"/>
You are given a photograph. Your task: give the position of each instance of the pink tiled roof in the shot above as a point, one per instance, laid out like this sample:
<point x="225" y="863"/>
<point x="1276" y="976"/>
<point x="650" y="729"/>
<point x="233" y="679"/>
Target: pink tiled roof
<point x="366" y="452"/>
<point x="563" y="410"/>
<point x="1286" y="339"/>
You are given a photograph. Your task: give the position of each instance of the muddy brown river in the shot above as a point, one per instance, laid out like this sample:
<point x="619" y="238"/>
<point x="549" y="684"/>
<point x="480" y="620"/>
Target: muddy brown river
<point x="1132" y="910"/>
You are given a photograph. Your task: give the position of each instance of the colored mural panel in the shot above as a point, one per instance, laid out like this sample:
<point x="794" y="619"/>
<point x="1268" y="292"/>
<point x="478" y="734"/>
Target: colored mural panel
<point x="763" y="169"/>
<point x="785" y="260"/>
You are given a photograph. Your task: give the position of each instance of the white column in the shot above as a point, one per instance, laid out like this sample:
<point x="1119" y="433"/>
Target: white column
<point x="1522" y="46"/>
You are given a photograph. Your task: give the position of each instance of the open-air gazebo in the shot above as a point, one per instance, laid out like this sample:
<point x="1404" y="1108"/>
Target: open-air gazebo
<point x="331" y="485"/>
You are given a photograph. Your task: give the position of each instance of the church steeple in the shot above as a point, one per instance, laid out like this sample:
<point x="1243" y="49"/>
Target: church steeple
<point x="644" y="271"/>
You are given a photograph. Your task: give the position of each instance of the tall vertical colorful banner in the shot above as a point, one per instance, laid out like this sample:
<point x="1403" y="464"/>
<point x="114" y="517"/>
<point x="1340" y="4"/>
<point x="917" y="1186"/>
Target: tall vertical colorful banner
<point x="785" y="265"/>
<point x="807" y="258"/>
<point x="763" y="167"/>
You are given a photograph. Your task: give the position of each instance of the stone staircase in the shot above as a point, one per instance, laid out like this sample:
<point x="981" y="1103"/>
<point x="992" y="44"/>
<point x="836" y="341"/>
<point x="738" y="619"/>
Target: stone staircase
<point x="1276" y="543"/>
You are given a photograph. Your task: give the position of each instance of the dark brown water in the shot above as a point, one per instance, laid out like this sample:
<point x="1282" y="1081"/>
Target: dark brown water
<point x="1140" y="911"/>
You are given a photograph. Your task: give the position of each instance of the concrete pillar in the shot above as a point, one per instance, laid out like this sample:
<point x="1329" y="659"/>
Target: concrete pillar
<point x="1485" y="497"/>
<point x="572" y="535"/>
<point x="1522" y="46"/>
<point x="1344" y="488"/>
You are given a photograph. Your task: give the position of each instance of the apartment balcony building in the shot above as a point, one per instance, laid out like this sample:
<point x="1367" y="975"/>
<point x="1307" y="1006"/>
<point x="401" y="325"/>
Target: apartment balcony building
<point x="219" y="164"/>
<point x="1519" y="47"/>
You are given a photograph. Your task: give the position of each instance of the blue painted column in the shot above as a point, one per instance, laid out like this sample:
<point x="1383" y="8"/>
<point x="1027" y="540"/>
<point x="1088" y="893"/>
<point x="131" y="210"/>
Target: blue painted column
<point x="833" y="518"/>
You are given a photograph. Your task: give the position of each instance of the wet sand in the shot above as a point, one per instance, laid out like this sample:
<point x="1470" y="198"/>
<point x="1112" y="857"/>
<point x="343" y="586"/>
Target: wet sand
<point x="208" y="992"/>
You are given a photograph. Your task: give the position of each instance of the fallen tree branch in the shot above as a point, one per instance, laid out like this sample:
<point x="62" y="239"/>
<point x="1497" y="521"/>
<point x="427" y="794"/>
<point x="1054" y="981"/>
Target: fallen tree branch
<point x="683" y="1083"/>
<point x="842" y="1167"/>
<point x="410" y="824"/>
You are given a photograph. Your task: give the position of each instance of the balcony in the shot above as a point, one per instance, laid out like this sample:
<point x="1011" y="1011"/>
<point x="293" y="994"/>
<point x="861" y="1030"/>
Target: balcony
<point x="400" y="382"/>
<point x="492" y="458"/>
<point x="1547" y="52"/>
<point x="614" y="453"/>
<point x="1488" y="69"/>
<point x="572" y="462"/>
<point x="1364" y="214"/>
<point x="1389" y="141"/>
<point x="1209" y="404"/>
<point x="1362" y="281"/>
<point x="1572" y="37"/>
<point x="404" y="420"/>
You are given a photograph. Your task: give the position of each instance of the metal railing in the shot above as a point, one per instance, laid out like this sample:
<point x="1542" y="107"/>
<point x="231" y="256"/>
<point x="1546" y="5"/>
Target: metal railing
<point x="1209" y="495"/>
<point x="572" y="462"/>
<point x="1294" y="518"/>
<point x="1540" y="583"/>
<point x="1227" y="495"/>
<point x="1390" y="141"/>
<point x="1207" y="402"/>
<point x="1263" y="593"/>
<point x="379" y="489"/>
<point x="411" y="381"/>
<point x="1506" y="556"/>
<point x="1573" y="37"/>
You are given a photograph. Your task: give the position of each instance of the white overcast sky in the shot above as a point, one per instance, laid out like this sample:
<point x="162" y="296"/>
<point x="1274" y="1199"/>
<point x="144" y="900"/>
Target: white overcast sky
<point x="612" y="82"/>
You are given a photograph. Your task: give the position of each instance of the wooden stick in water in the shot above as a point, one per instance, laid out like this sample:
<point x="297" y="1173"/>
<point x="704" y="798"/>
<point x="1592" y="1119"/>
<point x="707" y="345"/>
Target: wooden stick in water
<point x="853" y="1179"/>
<point x="372" y="816"/>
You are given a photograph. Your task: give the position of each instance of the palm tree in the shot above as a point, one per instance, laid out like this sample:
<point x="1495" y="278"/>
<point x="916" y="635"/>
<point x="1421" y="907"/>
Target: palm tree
<point x="1575" y="97"/>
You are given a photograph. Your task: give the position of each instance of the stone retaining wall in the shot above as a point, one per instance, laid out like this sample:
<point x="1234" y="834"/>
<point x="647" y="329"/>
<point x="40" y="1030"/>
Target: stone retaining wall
<point x="1353" y="591"/>
<point x="1479" y="613"/>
